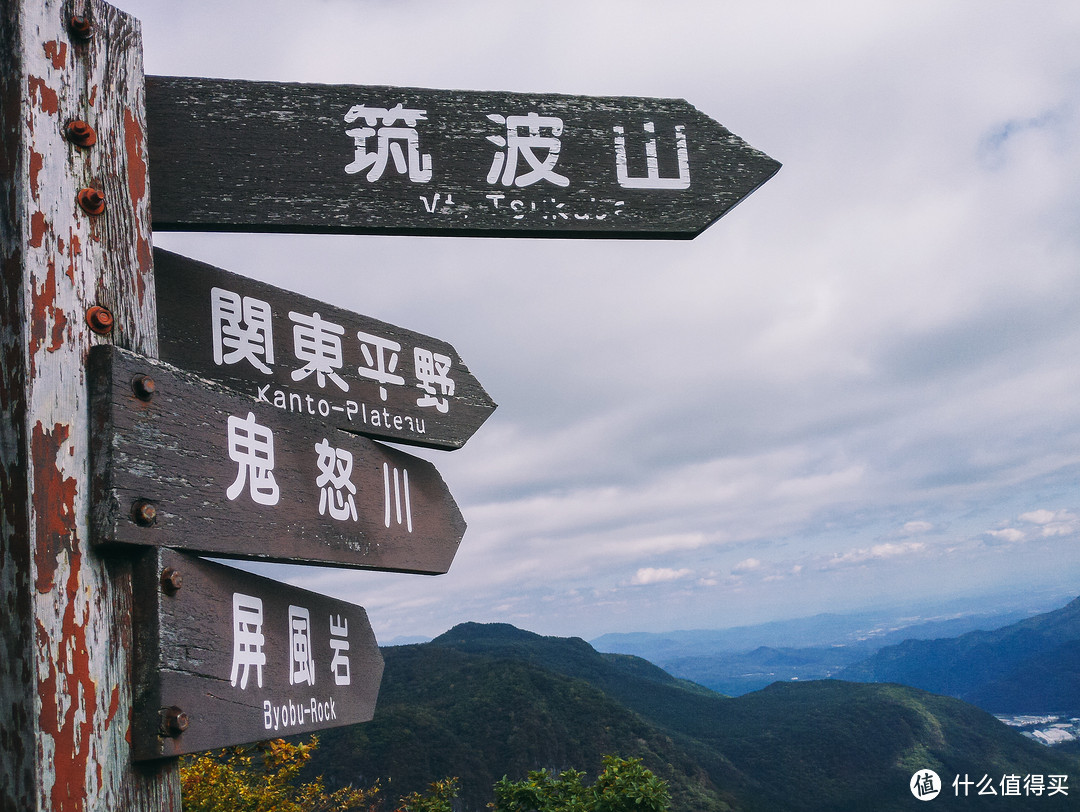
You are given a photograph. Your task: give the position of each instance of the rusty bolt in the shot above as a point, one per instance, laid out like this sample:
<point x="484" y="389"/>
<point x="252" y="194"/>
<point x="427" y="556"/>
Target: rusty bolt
<point x="91" y="200"/>
<point x="144" y="513"/>
<point x="171" y="580"/>
<point x="143" y="386"/>
<point x="80" y="133"/>
<point x="81" y="28"/>
<point x="100" y="319"/>
<point x="174" y="721"/>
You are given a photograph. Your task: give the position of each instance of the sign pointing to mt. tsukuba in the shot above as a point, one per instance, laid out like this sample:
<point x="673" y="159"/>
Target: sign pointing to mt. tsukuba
<point x="312" y="359"/>
<point x="228" y="155"/>
<point x="178" y="461"/>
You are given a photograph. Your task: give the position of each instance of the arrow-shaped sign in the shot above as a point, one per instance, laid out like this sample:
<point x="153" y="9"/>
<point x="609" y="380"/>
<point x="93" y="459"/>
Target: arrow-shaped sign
<point x="312" y="359"/>
<point x="223" y="657"/>
<point x="229" y="155"/>
<point x="178" y="461"/>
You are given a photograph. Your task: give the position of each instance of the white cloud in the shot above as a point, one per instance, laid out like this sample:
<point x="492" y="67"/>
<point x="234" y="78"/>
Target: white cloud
<point x="1008" y="534"/>
<point x="748" y="565"/>
<point x="658" y="575"/>
<point x="1053" y="522"/>
<point x="1045" y="517"/>
<point x="878" y="552"/>
<point x="917" y="527"/>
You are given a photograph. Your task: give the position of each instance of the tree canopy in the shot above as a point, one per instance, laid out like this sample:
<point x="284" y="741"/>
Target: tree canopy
<point x="265" y="777"/>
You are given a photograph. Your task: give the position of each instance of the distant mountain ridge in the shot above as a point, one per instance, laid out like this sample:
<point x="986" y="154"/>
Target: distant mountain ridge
<point x="487" y="700"/>
<point x="868" y="630"/>
<point x="1032" y="666"/>
<point x="739" y="660"/>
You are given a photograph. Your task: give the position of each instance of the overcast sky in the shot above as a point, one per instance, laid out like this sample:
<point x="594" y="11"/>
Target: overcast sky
<point x="859" y="388"/>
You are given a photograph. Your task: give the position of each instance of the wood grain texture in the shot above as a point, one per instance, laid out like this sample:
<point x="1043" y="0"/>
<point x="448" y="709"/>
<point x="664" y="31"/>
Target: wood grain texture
<point x="443" y="415"/>
<point x="66" y="635"/>
<point x="175" y="452"/>
<point x="187" y="658"/>
<point x="260" y="156"/>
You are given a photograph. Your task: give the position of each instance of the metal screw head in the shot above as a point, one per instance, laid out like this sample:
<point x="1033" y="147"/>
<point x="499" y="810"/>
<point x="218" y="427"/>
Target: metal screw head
<point x="144" y="513"/>
<point x="81" y="28"/>
<point x="100" y="319"/>
<point x="171" y="580"/>
<point x="92" y="201"/>
<point x="174" y="721"/>
<point x="80" y="133"/>
<point x="143" y="386"/>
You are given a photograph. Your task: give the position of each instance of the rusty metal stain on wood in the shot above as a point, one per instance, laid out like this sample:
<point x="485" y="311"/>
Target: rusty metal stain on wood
<point x="347" y="370"/>
<point x="236" y="479"/>
<point x="260" y="156"/>
<point x="242" y="658"/>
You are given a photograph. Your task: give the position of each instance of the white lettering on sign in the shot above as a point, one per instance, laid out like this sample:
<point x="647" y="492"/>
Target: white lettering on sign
<point x="368" y="415"/>
<point x="248" y="640"/>
<point x="384" y="418"/>
<point x="243" y="331"/>
<point x="381" y="360"/>
<point x="525" y="141"/>
<point x="336" y="490"/>
<point x="251" y="446"/>
<point x="432" y="206"/>
<point x="241" y="328"/>
<point x="318" y="343"/>
<point x="249" y="660"/>
<point x="301" y="662"/>
<point x="549" y="208"/>
<point x="652" y="179"/>
<point x="339" y="644"/>
<point x="397" y="505"/>
<point x="400" y="144"/>
<point x="297" y="714"/>
<point x="433" y="373"/>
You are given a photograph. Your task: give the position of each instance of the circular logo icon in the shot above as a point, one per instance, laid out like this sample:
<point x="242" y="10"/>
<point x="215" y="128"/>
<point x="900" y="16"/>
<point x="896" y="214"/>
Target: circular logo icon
<point x="925" y="785"/>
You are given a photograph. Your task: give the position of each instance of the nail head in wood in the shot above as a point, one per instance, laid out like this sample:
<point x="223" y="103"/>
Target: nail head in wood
<point x="82" y="30"/>
<point x="80" y="133"/>
<point x="92" y="201"/>
<point x="100" y="319"/>
<point x="174" y="721"/>
<point x="171" y="580"/>
<point x="144" y="513"/>
<point x="144" y="387"/>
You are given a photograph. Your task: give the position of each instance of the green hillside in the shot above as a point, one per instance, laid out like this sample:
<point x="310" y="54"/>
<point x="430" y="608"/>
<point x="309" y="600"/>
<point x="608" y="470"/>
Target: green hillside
<point x="1050" y="682"/>
<point x="484" y="701"/>
<point x="1030" y="666"/>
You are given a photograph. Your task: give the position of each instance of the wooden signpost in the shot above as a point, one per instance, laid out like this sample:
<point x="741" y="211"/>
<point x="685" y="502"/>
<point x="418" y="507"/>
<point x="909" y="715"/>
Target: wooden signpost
<point x="180" y="462"/>
<point x="231" y="155"/>
<point x="263" y="471"/>
<point x="309" y="358"/>
<point x="223" y="657"/>
<point x="77" y="270"/>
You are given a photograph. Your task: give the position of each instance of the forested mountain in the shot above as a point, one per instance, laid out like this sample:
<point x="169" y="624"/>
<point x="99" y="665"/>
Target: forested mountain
<point x="483" y="701"/>
<point x="1032" y="666"/>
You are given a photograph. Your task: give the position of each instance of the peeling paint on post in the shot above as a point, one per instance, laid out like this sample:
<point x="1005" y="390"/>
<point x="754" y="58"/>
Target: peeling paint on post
<point x="65" y="613"/>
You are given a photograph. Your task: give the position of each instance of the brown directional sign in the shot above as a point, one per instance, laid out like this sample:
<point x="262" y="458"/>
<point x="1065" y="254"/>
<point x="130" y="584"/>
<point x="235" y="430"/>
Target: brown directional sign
<point x="181" y="462"/>
<point x="231" y="155"/>
<point x="310" y="358"/>
<point x="223" y="657"/>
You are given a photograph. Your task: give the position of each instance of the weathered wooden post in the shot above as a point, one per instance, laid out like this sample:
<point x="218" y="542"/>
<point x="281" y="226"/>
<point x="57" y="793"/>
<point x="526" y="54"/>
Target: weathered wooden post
<point x="77" y="271"/>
